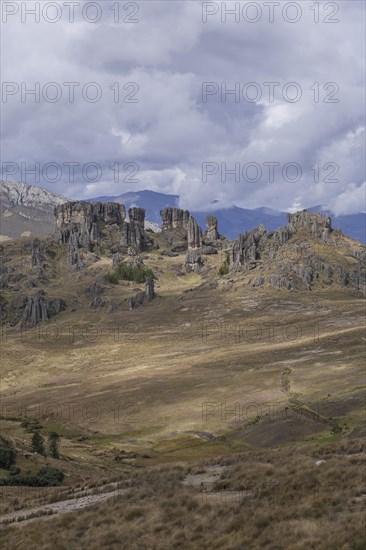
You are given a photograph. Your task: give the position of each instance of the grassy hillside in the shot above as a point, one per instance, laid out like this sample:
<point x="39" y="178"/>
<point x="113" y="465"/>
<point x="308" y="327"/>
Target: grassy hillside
<point x="242" y="389"/>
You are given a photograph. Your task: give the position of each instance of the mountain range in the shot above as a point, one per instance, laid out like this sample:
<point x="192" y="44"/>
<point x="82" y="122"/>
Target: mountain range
<point x="28" y="210"/>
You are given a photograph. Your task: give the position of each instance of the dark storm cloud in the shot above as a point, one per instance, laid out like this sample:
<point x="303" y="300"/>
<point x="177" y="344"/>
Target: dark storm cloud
<point x="171" y="131"/>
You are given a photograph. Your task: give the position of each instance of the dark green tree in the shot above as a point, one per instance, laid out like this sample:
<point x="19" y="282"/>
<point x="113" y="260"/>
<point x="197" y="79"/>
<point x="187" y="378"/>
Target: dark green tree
<point x="53" y="441"/>
<point x="7" y="457"/>
<point x="38" y="443"/>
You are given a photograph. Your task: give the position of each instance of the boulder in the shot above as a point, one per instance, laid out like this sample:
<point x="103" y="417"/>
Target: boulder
<point x="136" y="301"/>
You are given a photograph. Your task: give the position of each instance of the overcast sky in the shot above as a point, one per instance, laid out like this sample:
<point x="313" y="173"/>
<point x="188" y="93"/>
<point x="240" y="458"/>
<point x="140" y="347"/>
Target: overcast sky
<point x="164" y="126"/>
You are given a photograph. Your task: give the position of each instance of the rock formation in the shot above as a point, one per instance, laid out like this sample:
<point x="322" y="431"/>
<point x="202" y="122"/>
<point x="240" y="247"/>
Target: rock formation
<point x="74" y="258"/>
<point x="133" y="230"/>
<point x="83" y="225"/>
<point x="194" y="234"/>
<point x="134" y="239"/>
<point x="174" y="218"/>
<point x="259" y="243"/>
<point x="291" y="261"/>
<point x="193" y="261"/>
<point x="174" y="229"/>
<point x="87" y="220"/>
<point x="248" y="248"/>
<point x="149" y="289"/>
<point x="212" y="233"/>
<point x="37" y="257"/>
<point x="136" y="301"/>
<point x="39" y="308"/>
<point x="319" y="226"/>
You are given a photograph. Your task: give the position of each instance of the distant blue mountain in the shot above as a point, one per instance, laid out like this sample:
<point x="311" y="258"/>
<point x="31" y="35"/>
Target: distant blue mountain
<point x="233" y="221"/>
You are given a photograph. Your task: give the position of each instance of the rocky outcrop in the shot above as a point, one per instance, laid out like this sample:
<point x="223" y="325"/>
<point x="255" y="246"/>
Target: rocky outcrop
<point x="83" y="225"/>
<point x="358" y="278"/>
<point x="193" y="261"/>
<point x="174" y="218"/>
<point x="292" y="259"/>
<point x="248" y="249"/>
<point x="134" y="238"/>
<point x="87" y="220"/>
<point x="136" y="300"/>
<point x="149" y="289"/>
<point x="194" y="234"/>
<point x="212" y="233"/>
<point x="37" y="257"/>
<point x="318" y="226"/>
<point x="38" y="308"/>
<point x="74" y="257"/>
<point x="261" y="244"/>
<point x="174" y="231"/>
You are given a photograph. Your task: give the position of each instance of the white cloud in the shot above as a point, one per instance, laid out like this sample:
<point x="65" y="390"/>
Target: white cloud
<point x="170" y="132"/>
<point x="350" y="201"/>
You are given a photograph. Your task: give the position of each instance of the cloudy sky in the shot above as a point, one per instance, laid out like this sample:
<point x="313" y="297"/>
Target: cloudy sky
<point x="163" y="121"/>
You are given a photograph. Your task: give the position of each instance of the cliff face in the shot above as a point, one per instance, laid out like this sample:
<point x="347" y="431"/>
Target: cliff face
<point x="83" y="225"/>
<point x="174" y="229"/>
<point x="87" y="220"/>
<point x="134" y="238"/>
<point x="296" y="256"/>
<point x="174" y="218"/>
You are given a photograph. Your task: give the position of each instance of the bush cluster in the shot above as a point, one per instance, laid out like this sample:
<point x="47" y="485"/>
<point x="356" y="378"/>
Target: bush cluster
<point x="8" y="454"/>
<point x="125" y="272"/>
<point x="45" y="477"/>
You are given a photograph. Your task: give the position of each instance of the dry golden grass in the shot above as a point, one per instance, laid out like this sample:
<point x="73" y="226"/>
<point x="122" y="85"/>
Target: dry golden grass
<point x="269" y="381"/>
<point x="275" y="499"/>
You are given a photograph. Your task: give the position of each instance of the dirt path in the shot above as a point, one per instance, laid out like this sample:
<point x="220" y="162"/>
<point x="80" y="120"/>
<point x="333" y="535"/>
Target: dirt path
<point x="22" y="517"/>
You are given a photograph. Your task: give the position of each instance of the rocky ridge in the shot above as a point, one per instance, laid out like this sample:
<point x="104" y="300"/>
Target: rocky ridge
<point x="305" y="254"/>
<point x="299" y="254"/>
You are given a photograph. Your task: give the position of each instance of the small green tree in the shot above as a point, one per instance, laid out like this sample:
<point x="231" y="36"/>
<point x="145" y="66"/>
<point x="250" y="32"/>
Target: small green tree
<point x="53" y="440"/>
<point x="38" y="443"/>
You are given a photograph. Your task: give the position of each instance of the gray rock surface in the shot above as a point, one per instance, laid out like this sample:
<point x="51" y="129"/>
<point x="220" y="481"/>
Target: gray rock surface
<point x="149" y="289"/>
<point x="134" y="238"/>
<point x="39" y="308"/>
<point x="194" y="234"/>
<point x="302" y="263"/>
<point x="174" y="218"/>
<point x="212" y="233"/>
<point x="193" y="261"/>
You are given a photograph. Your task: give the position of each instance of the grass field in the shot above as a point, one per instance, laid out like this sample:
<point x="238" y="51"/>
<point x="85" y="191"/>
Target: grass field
<point x="259" y="383"/>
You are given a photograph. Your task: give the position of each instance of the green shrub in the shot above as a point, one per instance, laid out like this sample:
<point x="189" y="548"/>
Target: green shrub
<point x="223" y="269"/>
<point x="124" y="272"/>
<point x="7" y="457"/>
<point x="225" y="266"/>
<point x="53" y="440"/>
<point x="14" y="470"/>
<point x="37" y="443"/>
<point x="52" y="474"/>
<point x="112" y="278"/>
<point x="45" y="477"/>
